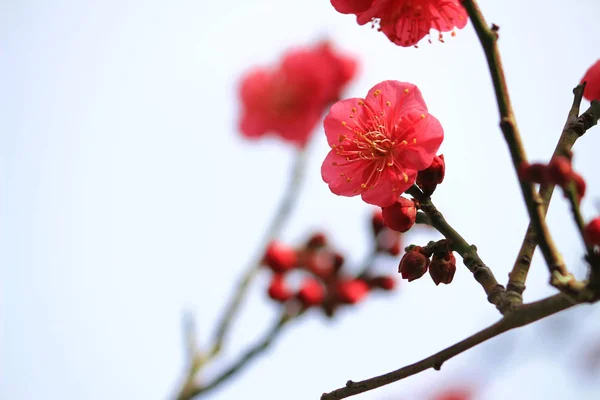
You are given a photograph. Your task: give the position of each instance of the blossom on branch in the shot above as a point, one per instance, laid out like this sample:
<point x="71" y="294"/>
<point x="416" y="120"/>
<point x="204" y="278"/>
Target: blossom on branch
<point x="592" y="79"/>
<point x="380" y="143"/>
<point x="288" y="100"/>
<point x="406" y="22"/>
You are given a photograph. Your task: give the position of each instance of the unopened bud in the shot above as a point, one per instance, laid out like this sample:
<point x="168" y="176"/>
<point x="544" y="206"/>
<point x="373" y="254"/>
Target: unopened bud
<point x="442" y="267"/>
<point x="401" y="215"/>
<point x="280" y="257"/>
<point x="429" y="178"/>
<point x="311" y="293"/>
<point x="413" y="264"/>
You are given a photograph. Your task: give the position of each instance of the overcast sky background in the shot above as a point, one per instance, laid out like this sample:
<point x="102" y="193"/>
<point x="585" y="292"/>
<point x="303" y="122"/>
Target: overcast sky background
<point x="127" y="196"/>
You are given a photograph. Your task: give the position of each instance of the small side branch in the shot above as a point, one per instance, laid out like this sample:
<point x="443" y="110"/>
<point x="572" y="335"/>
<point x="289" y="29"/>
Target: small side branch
<point x="482" y="273"/>
<point x="285" y="207"/>
<point x="191" y="389"/>
<point x="574" y="128"/>
<point x="488" y="36"/>
<point x="523" y="315"/>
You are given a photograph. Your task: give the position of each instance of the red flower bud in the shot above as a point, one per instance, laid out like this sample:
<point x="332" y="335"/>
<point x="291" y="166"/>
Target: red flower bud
<point x="592" y="232"/>
<point x="317" y="240"/>
<point x="320" y="263"/>
<point x="579" y="184"/>
<point x="536" y="173"/>
<point x="377" y="222"/>
<point x="388" y="241"/>
<point x="311" y="293"/>
<point x="559" y="171"/>
<point x="352" y="291"/>
<point x="401" y="215"/>
<point x="338" y="261"/>
<point x="278" y="289"/>
<point x="280" y="257"/>
<point x="395" y="249"/>
<point x="383" y="282"/>
<point x="413" y="264"/>
<point x="432" y="176"/>
<point x="442" y="267"/>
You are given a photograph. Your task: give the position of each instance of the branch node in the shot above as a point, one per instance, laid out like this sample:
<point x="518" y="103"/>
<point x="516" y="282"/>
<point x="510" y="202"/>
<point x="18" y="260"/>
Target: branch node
<point x="438" y="365"/>
<point x="350" y="383"/>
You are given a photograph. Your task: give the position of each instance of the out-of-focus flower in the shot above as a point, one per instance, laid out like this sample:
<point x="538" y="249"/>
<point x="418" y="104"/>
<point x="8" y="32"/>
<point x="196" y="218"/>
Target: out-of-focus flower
<point x="401" y="215"/>
<point x="406" y="22"/>
<point x="592" y="79"/>
<point x="288" y="100"/>
<point x="352" y="291"/>
<point x="592" y="232"/>
<point x="311" y="293"/>
<point x="430" y="177"/>
<point x="278" y="289"/>
<point x="280" y="257"/>
<point x="378" y="144"/>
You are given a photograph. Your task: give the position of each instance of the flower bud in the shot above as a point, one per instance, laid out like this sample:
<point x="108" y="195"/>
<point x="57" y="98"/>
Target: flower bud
<point x="389" y="241"/>
<point x="592" y="232"/>
<point x="311" y="293"/>
<point x="401" y="215"/>
<point x="579" y="185"/>
<point x="352" y="291"/>
<point x="316" y="241"/>
<point x="559" y="171"/>
<point x="536" y="173"/>
<point x="278" y="289"/>
<point x="383" y="282"/>
<point x="413" y="264"/>
<point x="442" y="267"/>
<point x="432" y="176"/>
<point x="377" y="222"/>
<point x="280" y="257"/>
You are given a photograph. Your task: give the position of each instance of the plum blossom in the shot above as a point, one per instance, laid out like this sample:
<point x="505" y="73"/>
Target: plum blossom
<point x="406" y="22"/>
<point x="379" y="143"/>
<point x="289" y="100"/>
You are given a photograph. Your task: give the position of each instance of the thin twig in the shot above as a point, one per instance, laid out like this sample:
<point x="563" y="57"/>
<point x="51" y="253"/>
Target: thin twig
<point x="518" y="275"/>
<point x="285" y="207"/>
<point x="573" y="198"/>
<point x="522" y="315"/>
<point x="488" y="37"/>
<point x="195" y="389"/>
<point x="482" y="273"/>
<point x="575" y="127"/>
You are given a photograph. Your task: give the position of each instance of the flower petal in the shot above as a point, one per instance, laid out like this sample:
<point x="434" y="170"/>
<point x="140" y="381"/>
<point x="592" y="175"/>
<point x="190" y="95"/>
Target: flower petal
<point x="344" y="178"/>
<point x="388" y="188"/>
<point x="429" y="135"/>
<point x="351" y="6"/>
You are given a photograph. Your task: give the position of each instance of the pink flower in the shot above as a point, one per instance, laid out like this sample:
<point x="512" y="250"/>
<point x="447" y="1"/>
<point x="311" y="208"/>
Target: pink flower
<point x="406" y="22"/>
<point x="592" y="87"/>
<point x="378" y="144"/>
<point x="289" y="100"/>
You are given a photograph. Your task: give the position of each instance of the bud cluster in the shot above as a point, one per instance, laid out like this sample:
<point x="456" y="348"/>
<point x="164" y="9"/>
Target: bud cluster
<point x="557" y="172"/>
<point x="325" y="283"/>
<point x="439" y="260"/>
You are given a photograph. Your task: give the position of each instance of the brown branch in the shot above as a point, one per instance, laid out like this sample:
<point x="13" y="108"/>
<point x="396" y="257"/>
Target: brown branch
<point x="285" y="207"/>
<point x="574" y="128"/>
<point x="482" y="273"/>
<point x="488" y="36"/>
<point x="191" y="390"/>
<point x="521" y="316"/>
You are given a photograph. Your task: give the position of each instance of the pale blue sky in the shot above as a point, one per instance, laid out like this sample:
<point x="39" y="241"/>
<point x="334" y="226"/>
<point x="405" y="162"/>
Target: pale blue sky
<point x="127" y="197"/>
